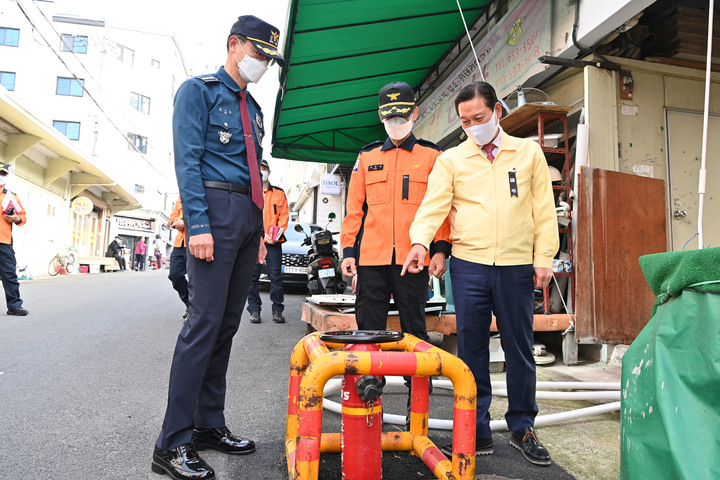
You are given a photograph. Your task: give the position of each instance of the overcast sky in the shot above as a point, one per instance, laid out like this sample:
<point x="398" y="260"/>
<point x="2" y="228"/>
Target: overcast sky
<point x="201" y="29"/>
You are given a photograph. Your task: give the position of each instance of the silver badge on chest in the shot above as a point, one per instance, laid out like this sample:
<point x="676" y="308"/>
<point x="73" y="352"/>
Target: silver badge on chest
<point x="224" y="136"/>
<point x="258" y="120"/>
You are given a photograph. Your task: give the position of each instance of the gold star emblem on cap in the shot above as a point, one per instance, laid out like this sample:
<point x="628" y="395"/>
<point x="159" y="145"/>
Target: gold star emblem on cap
<point x="393" y="96"/>
<point x="275" y="36"/>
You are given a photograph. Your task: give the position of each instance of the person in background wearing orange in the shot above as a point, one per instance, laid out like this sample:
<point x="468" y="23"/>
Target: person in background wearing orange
<point x="178" y="256"/>
<point x="13" y="214"/>
<point x="275" y="219"/>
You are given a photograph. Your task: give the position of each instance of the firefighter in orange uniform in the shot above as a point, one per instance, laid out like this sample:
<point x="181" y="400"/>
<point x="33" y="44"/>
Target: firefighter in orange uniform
<point x="13" y="214"/>
<point x="275" y="220"/>
<point x="386" y="188"/>
<point x="178" y="256"/>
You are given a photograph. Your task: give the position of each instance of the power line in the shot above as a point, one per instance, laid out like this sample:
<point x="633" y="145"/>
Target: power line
<point x="32" y="23"/>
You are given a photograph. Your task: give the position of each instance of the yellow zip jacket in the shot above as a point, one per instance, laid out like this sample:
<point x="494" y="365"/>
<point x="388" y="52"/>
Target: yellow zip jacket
<point x="488" y="225"/>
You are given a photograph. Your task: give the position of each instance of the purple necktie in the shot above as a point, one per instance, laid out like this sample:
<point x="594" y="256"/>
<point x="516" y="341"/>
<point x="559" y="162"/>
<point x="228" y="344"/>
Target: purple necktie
<point x="255" y="189"/>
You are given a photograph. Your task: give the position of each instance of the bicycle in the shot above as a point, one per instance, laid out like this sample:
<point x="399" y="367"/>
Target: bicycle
<point x="62" y="263"/>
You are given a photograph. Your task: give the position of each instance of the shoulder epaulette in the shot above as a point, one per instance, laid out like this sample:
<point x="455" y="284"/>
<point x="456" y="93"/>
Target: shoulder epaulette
<point x="372" y="146"/>
<point x="208" y="78"/>
<point x="275" y="187"/>
<point x="428" y="143"/>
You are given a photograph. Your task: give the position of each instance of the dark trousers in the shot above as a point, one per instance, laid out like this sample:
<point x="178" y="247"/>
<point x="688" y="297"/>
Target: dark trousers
<point x="273" y="263"/>
<point x="217" y="293"/>
<point x="8" y="273"/>
<point x="121" y="261"/>
<point x="178" y="269"/>
<point x="375" y="284"/>
<point x="478" y="291"/>
<point x="140" y="261"/>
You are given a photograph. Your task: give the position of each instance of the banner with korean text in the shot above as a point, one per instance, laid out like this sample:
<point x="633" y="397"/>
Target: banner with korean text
<point x="508" y="56"/>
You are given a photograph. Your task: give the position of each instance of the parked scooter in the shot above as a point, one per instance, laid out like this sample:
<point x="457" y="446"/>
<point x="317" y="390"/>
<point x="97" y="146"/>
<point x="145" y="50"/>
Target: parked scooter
<point x="324" y="275"/>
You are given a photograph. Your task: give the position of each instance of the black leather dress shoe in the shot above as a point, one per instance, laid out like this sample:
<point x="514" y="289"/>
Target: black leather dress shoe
<point x="222" y="440"/>
<point x="181" y="463"/>
<point x="17" y="311"/>
<point x="530" y="447"/>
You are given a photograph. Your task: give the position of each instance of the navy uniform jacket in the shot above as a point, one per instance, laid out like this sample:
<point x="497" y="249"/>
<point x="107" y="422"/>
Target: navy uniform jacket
<point x="206" y="112"/>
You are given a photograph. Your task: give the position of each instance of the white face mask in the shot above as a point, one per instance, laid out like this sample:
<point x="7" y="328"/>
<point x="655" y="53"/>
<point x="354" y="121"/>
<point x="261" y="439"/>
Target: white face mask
<point x="484" y="133"/>
<point x="265" y="175"/>
<point x="251" y="69"/>
<point x="398" y="128"/>
<point x="3" y="179"/>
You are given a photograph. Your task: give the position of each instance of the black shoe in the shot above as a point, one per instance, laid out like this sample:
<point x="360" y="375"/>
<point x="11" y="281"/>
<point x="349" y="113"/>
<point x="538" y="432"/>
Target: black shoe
<point x="181" y="463"/>
<point x="278" y="317"/>
<point x="20" y="312"/>
<point x="255" y="317"/>
<point x="483" y="446"/>
<point x="530" y="447"/>
<point x="221" y="439"/>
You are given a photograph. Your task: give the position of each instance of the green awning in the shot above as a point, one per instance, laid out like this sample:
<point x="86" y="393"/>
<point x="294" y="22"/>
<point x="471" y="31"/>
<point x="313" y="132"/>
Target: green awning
<point x="340" y="53"/>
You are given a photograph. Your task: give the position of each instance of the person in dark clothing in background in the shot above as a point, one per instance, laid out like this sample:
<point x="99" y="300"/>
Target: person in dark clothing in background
<point x="115" y="250"/>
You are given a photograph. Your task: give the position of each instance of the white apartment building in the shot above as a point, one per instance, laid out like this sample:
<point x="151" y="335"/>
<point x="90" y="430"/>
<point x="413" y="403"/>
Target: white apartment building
<point x="107" y="90"/>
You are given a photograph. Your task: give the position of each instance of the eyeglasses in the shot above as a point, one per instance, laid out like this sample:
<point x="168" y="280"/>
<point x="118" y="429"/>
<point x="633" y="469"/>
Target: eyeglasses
<point x="259" y="56"/>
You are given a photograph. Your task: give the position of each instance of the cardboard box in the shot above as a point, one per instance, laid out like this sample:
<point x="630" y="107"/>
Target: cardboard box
<point x="94" y="268"/>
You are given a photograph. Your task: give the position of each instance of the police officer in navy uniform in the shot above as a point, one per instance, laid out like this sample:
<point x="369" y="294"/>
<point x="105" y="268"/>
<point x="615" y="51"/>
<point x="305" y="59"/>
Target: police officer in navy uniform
<point x="217" y="129"/>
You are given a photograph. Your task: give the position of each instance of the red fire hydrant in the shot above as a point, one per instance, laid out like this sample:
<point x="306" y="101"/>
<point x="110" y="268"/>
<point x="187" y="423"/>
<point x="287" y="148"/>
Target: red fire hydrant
<point x="361" y="435"/>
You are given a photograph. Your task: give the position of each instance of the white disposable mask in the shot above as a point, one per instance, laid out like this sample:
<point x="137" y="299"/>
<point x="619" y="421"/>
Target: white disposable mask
<point x="398" y="128"/>
<point x="265" y="176"/>
<point x="3" y="179"/>
<point x="484" y="133"/>
<point x="251" y="69"/>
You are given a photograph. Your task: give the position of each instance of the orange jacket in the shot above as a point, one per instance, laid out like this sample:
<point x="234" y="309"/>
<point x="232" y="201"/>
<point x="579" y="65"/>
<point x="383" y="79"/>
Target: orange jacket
<point x="5" y="226"/>
<point x="276" y="211"/>
<point x="387" y="186"/>
<point x="177" y="214"/>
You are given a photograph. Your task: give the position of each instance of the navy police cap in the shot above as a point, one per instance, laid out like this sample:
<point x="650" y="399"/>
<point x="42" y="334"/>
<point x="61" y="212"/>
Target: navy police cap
<point x="396" y="99"/>
<point x="263" y="35"/>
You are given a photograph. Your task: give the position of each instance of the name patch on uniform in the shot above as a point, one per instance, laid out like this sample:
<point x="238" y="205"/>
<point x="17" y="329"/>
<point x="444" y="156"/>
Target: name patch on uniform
<point x="373" y="168"/>
<point x="513" y="183"/>
<point x="208" y="78"/>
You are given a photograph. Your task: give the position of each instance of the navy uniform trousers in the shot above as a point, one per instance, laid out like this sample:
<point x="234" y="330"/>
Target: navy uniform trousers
<point x="273" y="263"/>
<point x="8" y="273"/>
<point x="178" y="269"/>
<point x="217" y="290"/>
<point x="478" y="291"/>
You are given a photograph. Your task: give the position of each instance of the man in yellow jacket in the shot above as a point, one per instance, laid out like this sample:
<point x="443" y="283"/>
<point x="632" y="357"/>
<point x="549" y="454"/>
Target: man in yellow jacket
<point x="498" y="192"/>
<point x="275" y="220"/>
<point x="13" y="214"/>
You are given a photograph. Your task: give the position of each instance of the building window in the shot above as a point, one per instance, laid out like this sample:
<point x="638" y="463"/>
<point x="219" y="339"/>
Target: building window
<point x="137" y="142"/>
<point x="126" y="55"/>
<point x="140" y="103"/>
<point x="155" y="63"/>
<point x="70" y="87"/>
<point x="7" y="80"/>
<point x="139" y="188"/>
<point x="70" y="129"/>
<point x="9" y="36"/>
<point x="73" y="43"/>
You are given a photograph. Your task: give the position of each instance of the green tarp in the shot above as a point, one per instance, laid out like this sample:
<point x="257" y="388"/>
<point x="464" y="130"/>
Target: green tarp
<point x="340" y="53"/>
<point x="671" y="373"/>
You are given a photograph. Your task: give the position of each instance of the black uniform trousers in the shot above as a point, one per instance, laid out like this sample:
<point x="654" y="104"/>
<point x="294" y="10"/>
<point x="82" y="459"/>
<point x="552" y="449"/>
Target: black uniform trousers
<point x="478" y="291"/>
<point x="8" y="273"/>
<point x="410" y="293"/>
<point x="217" y="291"/>
<point x="178" y="270"/>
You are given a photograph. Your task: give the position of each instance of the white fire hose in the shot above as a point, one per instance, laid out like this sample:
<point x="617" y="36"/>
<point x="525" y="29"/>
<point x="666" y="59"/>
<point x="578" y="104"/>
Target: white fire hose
<point x="603" y="391"/>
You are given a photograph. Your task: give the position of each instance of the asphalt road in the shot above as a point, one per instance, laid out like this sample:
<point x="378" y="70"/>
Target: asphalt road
<point x="83" y="385"/>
